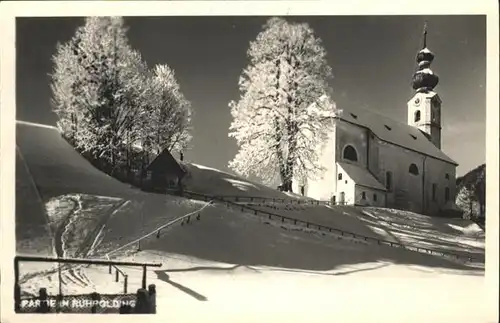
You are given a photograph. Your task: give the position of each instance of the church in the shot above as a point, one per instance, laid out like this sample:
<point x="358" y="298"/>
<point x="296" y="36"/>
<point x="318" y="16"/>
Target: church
<point x="374" y="160"/>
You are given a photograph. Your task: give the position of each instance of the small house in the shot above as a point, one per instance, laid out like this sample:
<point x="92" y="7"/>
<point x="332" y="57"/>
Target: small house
<point x="164" y="173"/>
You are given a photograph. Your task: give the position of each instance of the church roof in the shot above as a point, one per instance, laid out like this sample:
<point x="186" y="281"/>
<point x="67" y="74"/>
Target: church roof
<point x="361" y="176"/>
<point x="394" y="132"/>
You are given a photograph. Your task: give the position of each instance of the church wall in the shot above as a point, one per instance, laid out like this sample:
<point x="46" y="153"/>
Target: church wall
<point x="346" y="185"/>
<point x="435" y="171"/>
<point x="349" y="134"/>
<point x="369" y="199"/>
<point x="323" y="186"/>
<point x="373" y="152"/>
<point x="406" y="190"/>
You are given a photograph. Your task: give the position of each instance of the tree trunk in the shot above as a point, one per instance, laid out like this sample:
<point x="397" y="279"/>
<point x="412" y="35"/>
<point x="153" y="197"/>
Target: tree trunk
<point x="287" y="185"/>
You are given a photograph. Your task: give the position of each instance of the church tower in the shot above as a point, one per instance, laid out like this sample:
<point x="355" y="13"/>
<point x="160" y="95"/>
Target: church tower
<point x="424" y="109"/>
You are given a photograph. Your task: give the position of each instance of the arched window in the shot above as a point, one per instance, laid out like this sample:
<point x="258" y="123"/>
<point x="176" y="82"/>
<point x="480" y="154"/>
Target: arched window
<point x="350" y="153"/>
<point x="417" y="115"/>
<point x="413" y="169"/>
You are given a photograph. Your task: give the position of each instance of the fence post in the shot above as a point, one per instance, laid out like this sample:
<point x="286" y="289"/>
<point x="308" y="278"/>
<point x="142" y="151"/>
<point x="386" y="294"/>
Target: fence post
<point x="142" y="303"/>
<point x="59" y="299"/>
<point x="144" y="277"/>
<point x="17" y="297"/>
<point x="43" y="307"/>
<point x="125" y="283"/>
<point x="17" y="287"/>
<point x="117" y="278"/>
<point x="95" y="297"/>
<point x="152" y="298"/>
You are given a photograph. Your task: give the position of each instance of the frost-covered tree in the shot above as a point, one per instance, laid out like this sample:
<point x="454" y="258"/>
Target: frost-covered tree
<point x="98" y="86"/>
<point x="467" y="202"/>
<point x="167" y="122"/>
<point x="471" y="196"/>
<point x="277" y="132"/>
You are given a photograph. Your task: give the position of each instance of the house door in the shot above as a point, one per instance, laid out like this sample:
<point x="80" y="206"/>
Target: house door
<point x="342" y="198"/>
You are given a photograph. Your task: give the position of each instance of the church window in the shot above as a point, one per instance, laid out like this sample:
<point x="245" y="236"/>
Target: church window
<point x="350" y="153"/>
<point x="388" y="181"/>
<point x="387" y="127"/>
<point x="374" y="197"/>
<point x="447" y="194"/>
<point x="417" y="116"/>
<point x="340" y="176"/>
<point x="354" y="116"/>
<point x="413" y="169"/>
<point x="363" y="195"/>
<point x="447" y="176"/>
<point x="434" y="188"/>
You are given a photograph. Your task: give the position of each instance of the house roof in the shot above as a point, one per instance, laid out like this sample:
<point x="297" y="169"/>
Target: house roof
<point x="165" y="161"/>
<point x="394" y="132"/>
<point x="361" y="176"/>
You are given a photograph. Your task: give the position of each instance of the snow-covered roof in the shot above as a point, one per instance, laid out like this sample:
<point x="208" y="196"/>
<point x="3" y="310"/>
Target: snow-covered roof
<point x="394" y="132"/>
<point x="425" y="50"/>
<point x="361" y="176"/>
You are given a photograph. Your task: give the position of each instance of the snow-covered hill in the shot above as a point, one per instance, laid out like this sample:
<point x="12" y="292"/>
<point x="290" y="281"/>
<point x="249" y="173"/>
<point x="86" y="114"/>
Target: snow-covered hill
<point x="231" y="264"/>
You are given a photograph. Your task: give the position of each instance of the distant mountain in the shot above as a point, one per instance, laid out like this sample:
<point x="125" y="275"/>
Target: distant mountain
<point x="471" y="194"/>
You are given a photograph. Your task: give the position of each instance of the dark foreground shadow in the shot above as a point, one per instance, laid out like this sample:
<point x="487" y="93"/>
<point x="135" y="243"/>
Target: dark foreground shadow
<point x="163" y="276"/>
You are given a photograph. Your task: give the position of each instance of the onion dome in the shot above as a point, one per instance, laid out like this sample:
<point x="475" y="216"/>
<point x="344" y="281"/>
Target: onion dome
<point x="424" y="79"/>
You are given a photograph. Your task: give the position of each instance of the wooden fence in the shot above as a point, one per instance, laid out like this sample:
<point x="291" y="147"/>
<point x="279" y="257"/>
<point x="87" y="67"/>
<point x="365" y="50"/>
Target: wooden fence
<point x="63" y="303"/>
<point x="232" y="201"/>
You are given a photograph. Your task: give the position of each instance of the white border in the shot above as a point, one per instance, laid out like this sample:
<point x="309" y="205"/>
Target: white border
<point x="11" y="9"/>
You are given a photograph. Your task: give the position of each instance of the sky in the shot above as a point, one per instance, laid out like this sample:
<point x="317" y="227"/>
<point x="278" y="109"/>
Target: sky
<point x="372" y="58"/>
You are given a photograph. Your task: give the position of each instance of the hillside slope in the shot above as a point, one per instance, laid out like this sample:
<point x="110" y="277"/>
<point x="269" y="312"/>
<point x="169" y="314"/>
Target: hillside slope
<point x="276" y="269"/>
